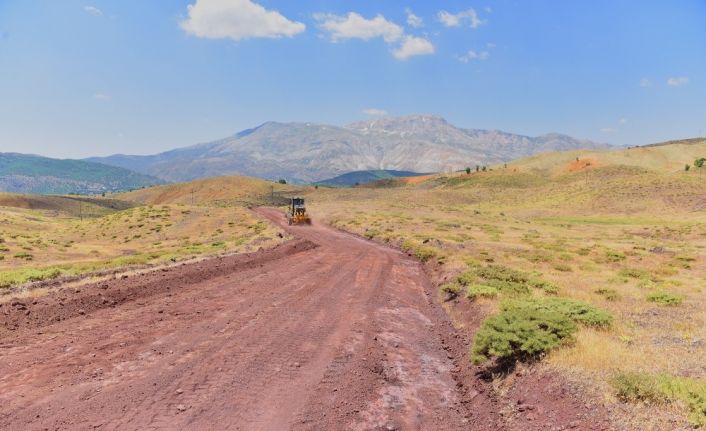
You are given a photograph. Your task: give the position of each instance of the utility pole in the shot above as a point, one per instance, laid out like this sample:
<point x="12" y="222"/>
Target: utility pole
<point x="273" y="195"/>
<point x="80" y="210"/>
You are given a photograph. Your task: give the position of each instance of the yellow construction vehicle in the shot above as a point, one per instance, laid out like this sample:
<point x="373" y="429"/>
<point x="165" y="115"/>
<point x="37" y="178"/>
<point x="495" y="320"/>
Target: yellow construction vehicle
<point x="296" y="214"/>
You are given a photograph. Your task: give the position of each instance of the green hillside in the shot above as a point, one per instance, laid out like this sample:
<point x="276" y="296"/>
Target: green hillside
<point x="22" y="173"/>
<point x="362" y="177"/>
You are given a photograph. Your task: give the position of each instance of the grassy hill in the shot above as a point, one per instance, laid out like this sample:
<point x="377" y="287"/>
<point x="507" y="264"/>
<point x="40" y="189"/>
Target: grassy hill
<point x="220" y="191"/>
<point x="24" y="173"/>
<point x="75" y="206"/>
<point x="624" y="235"/>
<point x="44" y="237"/>
<point x="363" y="177"/>
<point x="668" y="157"/>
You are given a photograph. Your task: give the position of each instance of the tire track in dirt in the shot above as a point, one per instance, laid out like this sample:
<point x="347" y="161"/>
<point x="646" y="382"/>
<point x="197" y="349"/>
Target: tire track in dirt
<point x="343" y="335"/>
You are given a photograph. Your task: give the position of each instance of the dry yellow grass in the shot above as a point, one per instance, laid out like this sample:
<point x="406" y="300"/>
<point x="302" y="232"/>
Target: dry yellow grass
<point x="37" y="244"/>
<point x="613" y="237"/>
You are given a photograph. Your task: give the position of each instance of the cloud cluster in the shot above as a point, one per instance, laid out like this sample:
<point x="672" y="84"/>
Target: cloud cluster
<point x="469" y="16"/>
<point x="374" y="112"/>
<point x="474" y="55"/>
<point x="246" y="19"/>
<point x="677" y="81"/>
<point x="411" y="46"/>
<point x="92" y="10"/>
<point x="355" y="26"/>
<point x="413" y="20"/>
<point x="237" y="20"/>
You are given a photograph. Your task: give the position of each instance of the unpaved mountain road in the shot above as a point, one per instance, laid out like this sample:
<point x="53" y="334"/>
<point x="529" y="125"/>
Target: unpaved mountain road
<point x="326" y="332"/>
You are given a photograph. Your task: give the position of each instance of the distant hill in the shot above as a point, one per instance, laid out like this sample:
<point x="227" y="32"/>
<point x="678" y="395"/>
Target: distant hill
<point x="308" y="152"/>
<point x="363" y="177"/>
<point x="666" y="157"/>
<point x="23" y="173"/>
<point x="77" y="206"/>
<point x="218" y="191"/>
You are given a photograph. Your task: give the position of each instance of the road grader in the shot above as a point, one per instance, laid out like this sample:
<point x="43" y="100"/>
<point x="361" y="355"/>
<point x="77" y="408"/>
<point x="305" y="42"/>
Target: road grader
<point x="296" y="213"/>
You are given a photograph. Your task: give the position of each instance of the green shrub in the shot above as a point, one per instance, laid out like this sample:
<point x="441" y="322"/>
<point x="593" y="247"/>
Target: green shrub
<point x="547" y="287"/>
<point x="562" y="267"/>
<point x="23" y="255"/>
<point x="578" y="311"/>
<point x="481" y="291"/>
<point x="614" y="256"/>
<point x="528" y="328"/>
<point x="637" y="273"/>
<point x="607" y="293"/>
<point x="467" y="278"/>
<point x="637" y="387"/>
<point x="502" y="273"/>
<point x="520" y="334"/>
<point x="371" y="233"/>
<point x="665" y="298"/>
<point x="424" y="253"/>
<point x="450" y="290"/>
<point x="661" y="388"/>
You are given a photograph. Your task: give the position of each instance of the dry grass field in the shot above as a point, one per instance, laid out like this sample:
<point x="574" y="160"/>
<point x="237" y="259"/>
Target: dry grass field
<point x="46" y="237"/>
<point x="626" y="238"/>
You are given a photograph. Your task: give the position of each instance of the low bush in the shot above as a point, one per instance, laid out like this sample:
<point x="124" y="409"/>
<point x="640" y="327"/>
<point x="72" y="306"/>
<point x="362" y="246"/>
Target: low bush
<point x="637" y="387"/>
<point x="665" y="298"/>
<point x="661" y="388"/>
<point x="563" y="267"/>
<point x="450" y="290"/>
<point x="520" y="334"/>
<point x="547" y="287"/>
<point x="607" y="293"/>
<point x="578" y="311"/>
<point x="502" y="273"/>
<point x="525" y="329"/>
<point x="614" y="256"/>
<point x="23" y="255"/>
<point x="481" y="291"/>
<point x="371" y="233"/>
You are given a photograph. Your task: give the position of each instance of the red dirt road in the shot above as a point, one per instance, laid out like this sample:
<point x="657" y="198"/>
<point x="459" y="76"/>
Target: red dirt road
<point x="326" y="332"/>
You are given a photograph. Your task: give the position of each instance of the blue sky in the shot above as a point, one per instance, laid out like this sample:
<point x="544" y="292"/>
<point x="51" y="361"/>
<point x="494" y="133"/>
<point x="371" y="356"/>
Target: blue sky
<point x="81" y="78"/>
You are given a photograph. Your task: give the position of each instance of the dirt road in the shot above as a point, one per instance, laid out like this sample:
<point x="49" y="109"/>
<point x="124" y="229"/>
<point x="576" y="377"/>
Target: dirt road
<point x="326" y="332"/>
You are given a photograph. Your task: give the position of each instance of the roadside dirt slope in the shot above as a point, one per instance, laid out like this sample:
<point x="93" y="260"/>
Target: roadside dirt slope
<point x="334" y="332"/>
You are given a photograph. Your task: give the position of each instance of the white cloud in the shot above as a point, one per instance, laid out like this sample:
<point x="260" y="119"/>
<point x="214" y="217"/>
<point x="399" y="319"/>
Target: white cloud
<point x="644" y="82"/>
<point x="412" y="46"/>
<point x="102" y="97"/>
<point x="474" y="55"/>
<point x="623" y="121"/>
<point x="449" y="19"/>
<point x="374" y="112"/>
<point x="488" y="9"/>
<point x="92" y="10"/>
<point x="413" y="20"/>
<point x="354" y="26"/>
<point x="677" y="81"/>
<point x="237" y="20"/>
<point x="608" y="130"/>
<point x="490" y="45"/>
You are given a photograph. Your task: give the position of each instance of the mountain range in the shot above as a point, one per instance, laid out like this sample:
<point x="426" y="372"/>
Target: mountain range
<point x="24" y="173"/>
<point x="309" y="152"/>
